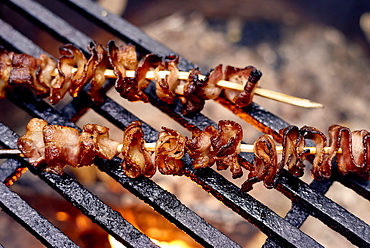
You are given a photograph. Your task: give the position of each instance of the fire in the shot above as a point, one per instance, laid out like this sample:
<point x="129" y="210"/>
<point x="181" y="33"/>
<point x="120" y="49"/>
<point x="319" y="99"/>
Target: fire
<point x="164" y="244"/>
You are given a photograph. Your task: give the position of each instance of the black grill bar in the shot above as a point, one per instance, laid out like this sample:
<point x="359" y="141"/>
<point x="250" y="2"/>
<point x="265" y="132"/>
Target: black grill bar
<point x="40" y="227"/>
<point x="51" y="22"/>
<point x="16" y="40"/>
<point x="333" y="215"/>
<point x="124" y="30"/>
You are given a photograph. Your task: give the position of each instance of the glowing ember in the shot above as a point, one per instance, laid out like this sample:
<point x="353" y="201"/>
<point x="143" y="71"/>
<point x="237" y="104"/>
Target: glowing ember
<point x="171" y="244"/>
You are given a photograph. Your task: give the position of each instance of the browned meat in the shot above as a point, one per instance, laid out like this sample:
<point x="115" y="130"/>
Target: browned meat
<point x="105" y="147"/>
<point x="319" y="170"/>
<point x="136" y="160"/>
<point x="165" y="87"/>
<point x="293" y="143"/>
<point x="226" y="145"/>
<point x="265" y="167"/>
<point x="5" y="69"/>
<point x="71" y="57"/>
<point x="61" y="147"/>
<point x="199" y="147"/>
<point x="169" y="150"/>
<point x="31" y="144"/>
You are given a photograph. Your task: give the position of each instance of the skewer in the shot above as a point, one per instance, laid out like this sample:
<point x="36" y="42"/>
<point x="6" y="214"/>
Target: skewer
<point x="151" y="147"/>
<point x="273" y="95"/>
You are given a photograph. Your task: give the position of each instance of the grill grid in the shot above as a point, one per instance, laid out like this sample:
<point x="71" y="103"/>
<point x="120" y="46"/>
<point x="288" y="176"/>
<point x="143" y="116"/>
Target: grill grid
<point x="307" y="200"/>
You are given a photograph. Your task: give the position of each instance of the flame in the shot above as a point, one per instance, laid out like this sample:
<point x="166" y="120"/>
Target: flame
<point x="164" y="244"/>
<point x="62" y="216"/>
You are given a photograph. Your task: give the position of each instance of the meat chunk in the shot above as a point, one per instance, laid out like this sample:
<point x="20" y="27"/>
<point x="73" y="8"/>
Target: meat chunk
<point x="199" y="147"/>
<point x="226" y="145"/>
<point x="31" y="144"/>
<point x="265" y="167"/>
<point x="137" y="160"/>
<point x="169" y="150"/>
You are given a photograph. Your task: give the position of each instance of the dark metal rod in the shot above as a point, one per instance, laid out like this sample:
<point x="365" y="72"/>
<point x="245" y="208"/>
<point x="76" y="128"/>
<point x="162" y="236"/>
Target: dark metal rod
<point x="330" y="213"/>
<point x="123" y="29"/>
<point x="41" y="228"/>
<point x="17" y="41"/>
<point x="298" y="214"/>
<point x="61" y="29"/>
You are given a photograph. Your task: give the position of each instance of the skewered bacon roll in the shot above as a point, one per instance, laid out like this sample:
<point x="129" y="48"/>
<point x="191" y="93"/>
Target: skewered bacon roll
<point x="52" y="147"/>
<point x="136" y="160"/>
<point x="169" y="150"/>
<point x="73" y="71"/>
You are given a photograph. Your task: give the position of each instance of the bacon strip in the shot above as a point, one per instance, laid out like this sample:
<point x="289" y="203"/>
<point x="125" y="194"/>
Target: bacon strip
<point x="136" y="160"/>
<point x="265" y="167"/>
<point x="169" y="150"/>
<point x="199" y="147"/>
<point x="227" y="146"/>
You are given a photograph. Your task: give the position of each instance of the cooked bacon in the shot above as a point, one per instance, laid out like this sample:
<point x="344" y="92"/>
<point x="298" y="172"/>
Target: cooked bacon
<point x="136" y="160"/>
<point x="249" y="77"/>
<point x="265" y="167"/>
<point x="165" y="87"/>
<point x="61" y="147"/>
<point x="44" y="75"/>
<point x="73" y="71"/>
<point x="5" y="68"/>
<point x="319" y="170"/>
<point x="24" y="69"/>
<point x="199" y="147"/>
<point x="71" y="57"/>
<point x="105" y="147"/>
<point x="31" y="144"/>
<point x="193" y="99"/>
<point x="210" y="89"/>
<point x="132" y="88"/>
<point x="98" y="68"/>
<point x="292" y="156"/>
<point x="124" y="58"/>
<point x="169" y="150"/>
<point x="355" y="150"/>
<point x="227" y="146"/>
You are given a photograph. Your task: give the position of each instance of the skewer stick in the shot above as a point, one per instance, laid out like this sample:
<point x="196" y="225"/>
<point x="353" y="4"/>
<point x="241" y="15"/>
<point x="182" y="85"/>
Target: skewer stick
<point x="273" y="95"/>
<point x="151" y="147"/>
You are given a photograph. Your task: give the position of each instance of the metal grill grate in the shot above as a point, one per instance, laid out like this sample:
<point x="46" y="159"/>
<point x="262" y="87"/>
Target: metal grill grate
<point x="307" y="199"/>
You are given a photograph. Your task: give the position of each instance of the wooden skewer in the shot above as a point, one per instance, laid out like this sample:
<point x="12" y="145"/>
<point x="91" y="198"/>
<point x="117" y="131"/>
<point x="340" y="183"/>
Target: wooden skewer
<point x="273" y="95"/>
<point x="151" y="147"/>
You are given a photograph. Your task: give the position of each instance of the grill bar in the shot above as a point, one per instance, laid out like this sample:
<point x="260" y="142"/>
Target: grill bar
<point x="41" y="228"/>
<point x="298" y="213"/>
<point x="333" y="215"/>
<point x="51" y="22"/>
<point x="124" y="30"/>
<point x="16" y="40"/>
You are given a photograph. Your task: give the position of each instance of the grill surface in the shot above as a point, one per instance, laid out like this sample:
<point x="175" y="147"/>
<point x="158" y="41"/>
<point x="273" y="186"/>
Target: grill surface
<point x="306" y="199"/>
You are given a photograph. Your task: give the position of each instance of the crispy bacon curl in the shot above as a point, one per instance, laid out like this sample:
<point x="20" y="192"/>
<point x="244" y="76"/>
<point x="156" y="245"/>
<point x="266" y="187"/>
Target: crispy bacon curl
<point x="136" y="160"/>
<point x="52" y="147"/>
<point x="73" y="71"/>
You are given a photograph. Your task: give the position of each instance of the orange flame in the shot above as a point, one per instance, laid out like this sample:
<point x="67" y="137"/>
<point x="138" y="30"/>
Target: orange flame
<point x="164" y="244"/>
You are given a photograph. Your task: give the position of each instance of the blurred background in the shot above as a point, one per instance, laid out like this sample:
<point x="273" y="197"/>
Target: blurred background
<point x="318" y="50"/>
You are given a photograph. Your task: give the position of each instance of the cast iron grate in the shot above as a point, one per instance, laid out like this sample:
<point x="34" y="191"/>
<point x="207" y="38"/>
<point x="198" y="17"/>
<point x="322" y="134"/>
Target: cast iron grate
<point x="306" y="199"/>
